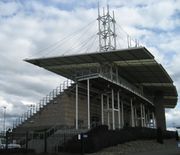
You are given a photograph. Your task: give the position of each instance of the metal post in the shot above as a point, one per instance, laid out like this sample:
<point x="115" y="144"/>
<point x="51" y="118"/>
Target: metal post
<point x="122" y="113"/>
<point x="109" y="29"/>
<point x="132" y="114"/>
<point x="99" y="27"/>
<point x="153" y="118"/>
<point x="141" y="107"/>
<point x="119" y="110"/>
<point x="114" y="26"/>
<point x="135" y="113"/>
<point x="108" y="120"/>
<point x="102" y="109"/>
<point x="144" y="116"/>
<point x="76" y="106"/>
<point x="113" y="122"/>
<point x="148" y="118"/>
<point x="88" y="102"/>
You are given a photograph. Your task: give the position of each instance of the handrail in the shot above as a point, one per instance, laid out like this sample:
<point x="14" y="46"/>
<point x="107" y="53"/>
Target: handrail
<point x="42" y="103"/>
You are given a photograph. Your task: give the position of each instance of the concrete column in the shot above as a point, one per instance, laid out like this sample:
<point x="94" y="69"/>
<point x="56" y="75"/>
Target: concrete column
<point x="122" y="113"/>
<point x="102" y="109"/>
<point x="77" y="106"/>
<point x="113" y="120"/>
<point x="132" y="114"/>
<point x="160" y="111"/>
<point x="88" y="103"/>
<point x="119" y="110"/>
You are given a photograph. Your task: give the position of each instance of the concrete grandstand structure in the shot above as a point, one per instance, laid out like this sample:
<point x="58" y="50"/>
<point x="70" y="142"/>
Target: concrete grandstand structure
<point x="116" y="87"/>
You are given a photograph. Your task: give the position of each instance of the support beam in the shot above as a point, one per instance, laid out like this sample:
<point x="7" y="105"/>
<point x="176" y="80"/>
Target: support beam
<point x="77" y="107"/>
<point x="119" y="110"/>
<point x="88" y="103"/>
<point x="113" y="120"/>
<point x="102" y="109"/>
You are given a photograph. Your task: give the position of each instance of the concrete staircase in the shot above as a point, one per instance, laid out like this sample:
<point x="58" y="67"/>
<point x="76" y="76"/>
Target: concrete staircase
<point x="47" y="112"/>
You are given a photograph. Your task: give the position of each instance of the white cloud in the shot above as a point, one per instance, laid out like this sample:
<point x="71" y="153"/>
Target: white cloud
<point x="8" y="9"/>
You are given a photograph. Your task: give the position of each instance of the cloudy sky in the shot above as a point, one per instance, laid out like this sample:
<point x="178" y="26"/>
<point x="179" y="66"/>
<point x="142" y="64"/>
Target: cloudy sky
<point x="38" y="28"/>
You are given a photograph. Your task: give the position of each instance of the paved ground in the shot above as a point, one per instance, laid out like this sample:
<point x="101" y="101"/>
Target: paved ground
<point x="146" y="147"/>
<point x="159" y="152"/>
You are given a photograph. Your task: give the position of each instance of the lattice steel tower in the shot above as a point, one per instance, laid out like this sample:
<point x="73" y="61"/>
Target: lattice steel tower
<point x="107" y="34"/>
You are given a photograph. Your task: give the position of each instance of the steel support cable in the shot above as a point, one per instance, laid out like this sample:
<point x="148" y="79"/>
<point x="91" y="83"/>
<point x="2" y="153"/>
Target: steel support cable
<point x="68" y="36"/>
<point x="79" y="35"/>
<point x="91" y="45"/>
<point x="70" y="40"/>
<point x="77" y="45"/>
<point x="86" y="42"/>
<point x="135" y="41"/>
<point x="121" y="38"/>
<point x="65" y="38"/>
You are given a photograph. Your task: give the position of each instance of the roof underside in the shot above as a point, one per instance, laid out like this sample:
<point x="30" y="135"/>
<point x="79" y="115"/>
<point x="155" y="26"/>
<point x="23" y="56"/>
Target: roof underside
<point x="136" y="65"/>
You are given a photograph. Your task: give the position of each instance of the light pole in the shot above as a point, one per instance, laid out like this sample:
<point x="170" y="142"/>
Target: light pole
<point x="4" y="121"/>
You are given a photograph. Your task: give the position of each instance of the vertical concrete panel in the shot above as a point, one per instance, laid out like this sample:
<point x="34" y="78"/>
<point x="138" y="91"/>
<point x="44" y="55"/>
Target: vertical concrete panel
<point x="160" y="111"/>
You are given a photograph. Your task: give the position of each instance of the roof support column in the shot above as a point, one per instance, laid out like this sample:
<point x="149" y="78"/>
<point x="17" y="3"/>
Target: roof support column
<point x="102" y="109"/>
<point x="88" y="103"/>
<point x="135" y="115"/>
<point x="144" y="116"/>
<point x="141" y="108"/>
<point x="132" y="113"/>
<point x="108" y="119"/>
<point x="122" y="114"/>
<point x="77" y="107"/>
<point x="119" y="110"/>
<point x="148" y="118"/>
<point x="153" y="120"/>
<point x="113" y="121"/>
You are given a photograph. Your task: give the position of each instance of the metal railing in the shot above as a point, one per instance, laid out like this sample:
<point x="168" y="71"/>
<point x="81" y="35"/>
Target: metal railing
<point x="49" y="98"/>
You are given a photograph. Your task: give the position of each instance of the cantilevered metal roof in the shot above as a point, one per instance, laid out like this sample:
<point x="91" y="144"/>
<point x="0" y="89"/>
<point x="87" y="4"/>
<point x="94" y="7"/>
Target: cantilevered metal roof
<point x="136" y="65"/>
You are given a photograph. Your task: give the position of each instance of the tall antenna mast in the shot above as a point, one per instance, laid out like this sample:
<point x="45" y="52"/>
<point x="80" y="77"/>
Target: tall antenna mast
<point x="107" y="34"/>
